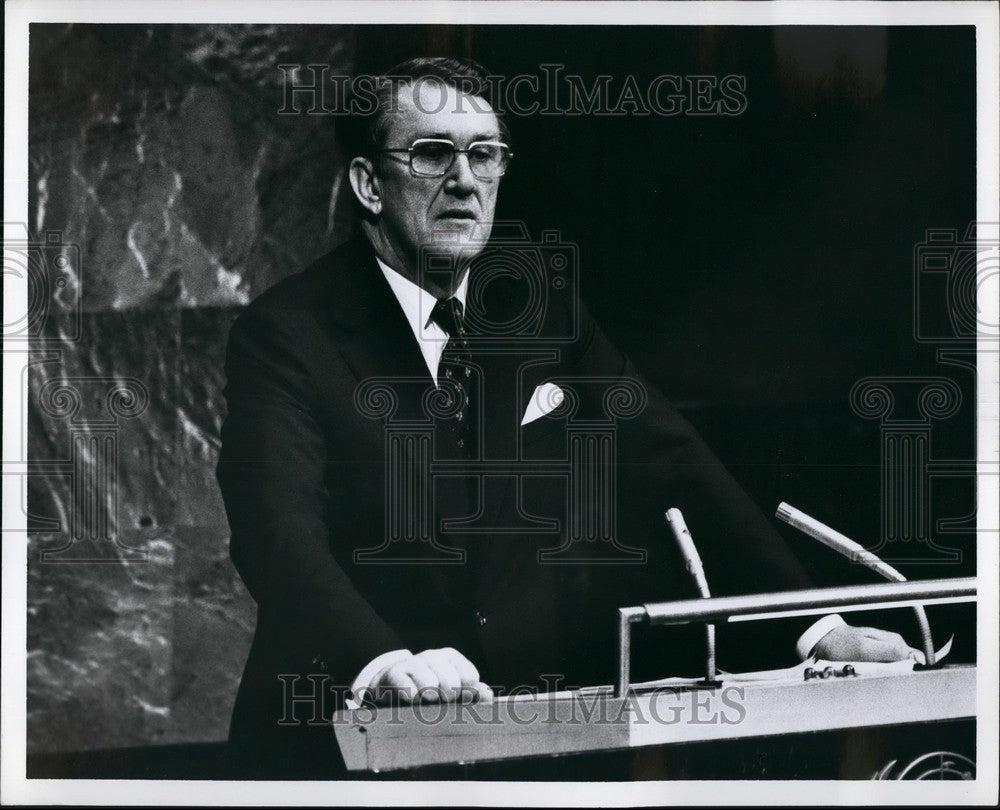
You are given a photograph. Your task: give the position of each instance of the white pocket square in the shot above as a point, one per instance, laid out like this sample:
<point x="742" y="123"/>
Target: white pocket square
<point x="547" y="397"/>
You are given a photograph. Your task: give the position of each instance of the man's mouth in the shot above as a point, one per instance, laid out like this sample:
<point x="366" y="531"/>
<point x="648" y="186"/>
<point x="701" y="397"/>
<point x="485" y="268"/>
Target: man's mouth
<point x="458" y="213"/>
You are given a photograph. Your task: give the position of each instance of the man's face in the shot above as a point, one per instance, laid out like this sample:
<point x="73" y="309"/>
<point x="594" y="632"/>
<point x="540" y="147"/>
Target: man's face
<point x="454" y="212"/>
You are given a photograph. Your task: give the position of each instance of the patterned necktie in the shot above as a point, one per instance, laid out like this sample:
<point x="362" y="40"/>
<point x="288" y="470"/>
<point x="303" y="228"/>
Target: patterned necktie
<point x="455" y="375"/>
<point x="456" y="439"/>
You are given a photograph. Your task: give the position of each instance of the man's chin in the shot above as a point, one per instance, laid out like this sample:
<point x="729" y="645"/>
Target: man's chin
<point x="463" y="230"/>
<point x="450" y="250"/>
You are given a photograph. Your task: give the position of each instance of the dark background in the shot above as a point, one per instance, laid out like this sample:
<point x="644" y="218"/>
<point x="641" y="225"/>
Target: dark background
<point x="755" y="267"/>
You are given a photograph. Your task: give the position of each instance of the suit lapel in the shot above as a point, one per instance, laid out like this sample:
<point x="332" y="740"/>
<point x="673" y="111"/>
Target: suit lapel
<point x="374" y="337"/>
<point x="376" y="341"/>
<point x="372" y="332"/>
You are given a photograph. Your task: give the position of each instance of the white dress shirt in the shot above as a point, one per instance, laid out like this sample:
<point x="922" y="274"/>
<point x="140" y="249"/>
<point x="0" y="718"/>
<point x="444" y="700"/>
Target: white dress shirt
<point x="417" y="306"/>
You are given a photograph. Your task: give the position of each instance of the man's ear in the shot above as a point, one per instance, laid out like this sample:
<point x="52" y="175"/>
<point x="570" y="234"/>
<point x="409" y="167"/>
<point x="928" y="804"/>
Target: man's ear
<point x="365" y="184"/>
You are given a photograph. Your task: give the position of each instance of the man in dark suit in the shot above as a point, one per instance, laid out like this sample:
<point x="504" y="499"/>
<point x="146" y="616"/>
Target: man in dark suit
<point x="432" y="494"/>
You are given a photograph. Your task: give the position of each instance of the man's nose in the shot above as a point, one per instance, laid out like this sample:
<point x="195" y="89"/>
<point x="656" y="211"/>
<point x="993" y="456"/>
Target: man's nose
<point x="460" y="178"/>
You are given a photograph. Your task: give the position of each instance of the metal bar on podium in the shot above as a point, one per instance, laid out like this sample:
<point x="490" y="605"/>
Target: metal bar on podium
<point x="789" y="603"/>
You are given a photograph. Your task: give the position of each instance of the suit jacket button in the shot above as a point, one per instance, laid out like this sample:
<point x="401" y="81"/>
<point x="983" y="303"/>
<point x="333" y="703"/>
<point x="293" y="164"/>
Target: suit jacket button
<point x="480" y="619"/>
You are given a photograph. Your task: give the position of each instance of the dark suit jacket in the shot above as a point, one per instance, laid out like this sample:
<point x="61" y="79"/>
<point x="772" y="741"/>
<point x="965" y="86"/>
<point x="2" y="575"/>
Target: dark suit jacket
<point x="324" y="376"/>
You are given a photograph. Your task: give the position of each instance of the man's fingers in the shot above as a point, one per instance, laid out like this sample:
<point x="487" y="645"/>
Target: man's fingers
<point x="449" y="682"/>
<point x="478" y="692"/>
<point x="466" y="669"/>
<point x="886" y="636"/>
<point x="453" y="670"/>
<point x="885" y="645"/>
<point x="408" y="681"/>
<point x="849" y="643"/>
<point x="430" y="676"/>
<point x="426" y="679"/>
<point x="880" y="650"/>
<point x="483" y="693"/>
<point x="394" y="682"/>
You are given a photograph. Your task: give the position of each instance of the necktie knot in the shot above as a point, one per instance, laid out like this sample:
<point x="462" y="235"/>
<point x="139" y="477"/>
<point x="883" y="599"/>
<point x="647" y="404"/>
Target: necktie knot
<point x="447" y="314"/>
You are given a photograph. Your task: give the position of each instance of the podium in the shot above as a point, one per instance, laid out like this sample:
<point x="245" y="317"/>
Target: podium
<point x="903" y="714"/>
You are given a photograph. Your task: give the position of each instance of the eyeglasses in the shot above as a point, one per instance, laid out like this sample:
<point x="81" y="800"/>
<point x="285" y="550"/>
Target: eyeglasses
<point x="433" y="157"/>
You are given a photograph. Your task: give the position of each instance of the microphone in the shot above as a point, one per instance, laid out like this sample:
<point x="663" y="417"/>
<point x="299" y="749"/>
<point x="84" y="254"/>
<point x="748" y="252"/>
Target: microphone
<point x="856" y="552"/>
<point x="692" y="559"/>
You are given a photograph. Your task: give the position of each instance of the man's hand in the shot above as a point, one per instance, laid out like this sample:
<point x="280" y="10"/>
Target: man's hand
<point x="431" y="676"/>
<point x="847" y="643"/>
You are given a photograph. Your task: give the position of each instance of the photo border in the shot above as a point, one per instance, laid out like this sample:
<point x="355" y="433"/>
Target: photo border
<point x="17" y="789"/>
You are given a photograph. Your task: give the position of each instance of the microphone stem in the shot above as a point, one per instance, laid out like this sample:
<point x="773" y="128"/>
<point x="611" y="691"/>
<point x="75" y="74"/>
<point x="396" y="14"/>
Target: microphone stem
<point x="856" y="552"/>
<point x="710" y="651"/>
<point x="675" y="520"/>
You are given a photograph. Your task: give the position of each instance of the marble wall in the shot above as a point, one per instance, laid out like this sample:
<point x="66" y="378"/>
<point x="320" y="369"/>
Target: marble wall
<point x="168" y="194"/>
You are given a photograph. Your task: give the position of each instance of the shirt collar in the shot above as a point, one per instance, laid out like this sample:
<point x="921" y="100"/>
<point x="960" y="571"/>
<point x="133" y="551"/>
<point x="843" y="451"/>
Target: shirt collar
<point x="416" y="302"/>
